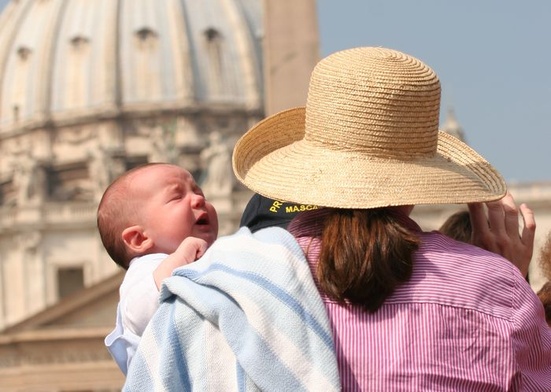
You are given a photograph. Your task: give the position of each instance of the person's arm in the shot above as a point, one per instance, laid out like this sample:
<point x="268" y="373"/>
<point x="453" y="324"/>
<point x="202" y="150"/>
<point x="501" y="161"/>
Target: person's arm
<point x="498" y="231"/>
<point x="143" y="297"/>
<point x="139" y="298"/>
<point x="189" y="250"/>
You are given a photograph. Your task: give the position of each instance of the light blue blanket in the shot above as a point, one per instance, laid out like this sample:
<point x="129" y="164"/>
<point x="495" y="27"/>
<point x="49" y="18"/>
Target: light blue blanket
<point x="246" y="317"/>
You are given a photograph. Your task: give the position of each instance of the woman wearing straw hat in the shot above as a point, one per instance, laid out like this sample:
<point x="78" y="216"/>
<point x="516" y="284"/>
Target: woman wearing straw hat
<point x="409" y="310"/>
<point x="405" y="309"/>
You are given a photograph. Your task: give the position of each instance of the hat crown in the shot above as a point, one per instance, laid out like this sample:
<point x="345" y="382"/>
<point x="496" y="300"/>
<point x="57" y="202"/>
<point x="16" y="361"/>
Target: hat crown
<point x="375" y="100"/>
<point x="367" y="138"/>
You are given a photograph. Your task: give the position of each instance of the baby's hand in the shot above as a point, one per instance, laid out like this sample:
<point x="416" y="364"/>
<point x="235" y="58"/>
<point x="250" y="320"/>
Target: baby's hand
<point x="189" y="250"/>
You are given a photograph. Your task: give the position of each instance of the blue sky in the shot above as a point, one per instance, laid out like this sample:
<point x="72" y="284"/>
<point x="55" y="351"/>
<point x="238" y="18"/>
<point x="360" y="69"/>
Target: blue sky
<point x="493" y="58"/>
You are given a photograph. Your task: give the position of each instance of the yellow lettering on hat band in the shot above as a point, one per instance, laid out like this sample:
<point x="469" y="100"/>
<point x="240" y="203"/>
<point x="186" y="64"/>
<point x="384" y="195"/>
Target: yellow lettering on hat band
<point x="300" y="208"/>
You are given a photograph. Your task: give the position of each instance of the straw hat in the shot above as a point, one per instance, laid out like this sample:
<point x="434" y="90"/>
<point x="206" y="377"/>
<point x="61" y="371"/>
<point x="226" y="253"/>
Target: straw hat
<point x="368" y="137"/>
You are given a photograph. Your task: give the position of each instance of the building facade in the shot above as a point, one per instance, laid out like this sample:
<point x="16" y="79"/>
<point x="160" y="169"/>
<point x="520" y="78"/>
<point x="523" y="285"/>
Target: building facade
<point x="91" y="88"/>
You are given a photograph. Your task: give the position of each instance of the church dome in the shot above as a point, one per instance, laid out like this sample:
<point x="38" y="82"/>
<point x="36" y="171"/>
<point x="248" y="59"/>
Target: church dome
<point x="91" y="88"/>
<point x="64" y="62"/>
<point x="123" y="81"/>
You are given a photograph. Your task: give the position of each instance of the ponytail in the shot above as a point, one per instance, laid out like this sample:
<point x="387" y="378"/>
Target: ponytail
<point x="365" y="255"/>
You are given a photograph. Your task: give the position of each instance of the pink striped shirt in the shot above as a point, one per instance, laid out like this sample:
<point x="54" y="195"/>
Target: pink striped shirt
<point x="466" y="321"/>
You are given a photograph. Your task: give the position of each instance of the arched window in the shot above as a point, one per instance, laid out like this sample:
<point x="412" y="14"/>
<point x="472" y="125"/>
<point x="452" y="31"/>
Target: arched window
<point x="214" y="47"/>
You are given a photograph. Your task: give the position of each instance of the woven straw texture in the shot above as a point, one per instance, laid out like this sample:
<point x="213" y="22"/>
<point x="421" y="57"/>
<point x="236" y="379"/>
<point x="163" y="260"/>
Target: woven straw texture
<point x="368" y="137"/>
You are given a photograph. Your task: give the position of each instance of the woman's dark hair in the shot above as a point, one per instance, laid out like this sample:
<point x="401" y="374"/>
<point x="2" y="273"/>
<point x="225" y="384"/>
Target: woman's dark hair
<point x="365" y="255"/>
<point x="544" y="294"/>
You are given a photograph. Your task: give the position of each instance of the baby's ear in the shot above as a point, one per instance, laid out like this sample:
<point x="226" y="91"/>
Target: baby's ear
<point x="136" y="240"/>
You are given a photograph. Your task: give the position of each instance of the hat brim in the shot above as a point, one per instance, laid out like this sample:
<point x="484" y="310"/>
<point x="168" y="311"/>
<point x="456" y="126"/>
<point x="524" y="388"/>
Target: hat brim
<point x="274" y="159"/>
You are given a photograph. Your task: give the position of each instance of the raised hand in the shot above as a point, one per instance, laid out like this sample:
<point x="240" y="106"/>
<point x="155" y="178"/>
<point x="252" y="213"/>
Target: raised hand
<point x="496" y="228"/>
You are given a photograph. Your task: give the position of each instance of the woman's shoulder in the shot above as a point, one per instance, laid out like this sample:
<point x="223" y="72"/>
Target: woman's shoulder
<point x="470" y="259"/>
<point x="454" y="273"/>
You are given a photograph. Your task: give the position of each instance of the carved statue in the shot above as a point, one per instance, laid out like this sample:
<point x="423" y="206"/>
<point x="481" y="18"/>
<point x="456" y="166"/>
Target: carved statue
<point x="163" y="148"/>
<point x="29" y="180"/>
<point x="100" y="170"/>
<point x="218" y="175"/>
<point x="159" y="144"/>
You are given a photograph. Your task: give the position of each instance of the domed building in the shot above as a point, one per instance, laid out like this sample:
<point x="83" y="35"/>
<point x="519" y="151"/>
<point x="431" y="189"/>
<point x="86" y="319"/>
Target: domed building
<point x="91" y="88"/>
<point x="88" y="90"/>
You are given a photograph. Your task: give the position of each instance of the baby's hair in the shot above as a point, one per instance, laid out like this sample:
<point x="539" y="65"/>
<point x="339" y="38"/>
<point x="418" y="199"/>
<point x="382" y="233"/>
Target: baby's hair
<point x="114" y="210"/>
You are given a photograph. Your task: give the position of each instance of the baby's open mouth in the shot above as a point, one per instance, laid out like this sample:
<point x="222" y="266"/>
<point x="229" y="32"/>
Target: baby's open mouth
<point x="203" y="221"/>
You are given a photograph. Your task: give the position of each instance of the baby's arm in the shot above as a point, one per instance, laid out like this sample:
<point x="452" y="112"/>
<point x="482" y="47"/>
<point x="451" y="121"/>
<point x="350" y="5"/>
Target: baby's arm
<point x="189" y="250"/>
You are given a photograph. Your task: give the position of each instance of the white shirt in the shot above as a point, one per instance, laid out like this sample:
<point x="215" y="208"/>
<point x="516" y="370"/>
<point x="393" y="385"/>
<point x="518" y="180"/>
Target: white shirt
<point x="139" y="299"/>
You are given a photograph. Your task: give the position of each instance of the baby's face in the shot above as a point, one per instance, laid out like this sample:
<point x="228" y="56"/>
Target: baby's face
<point x="173" y="207"/>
